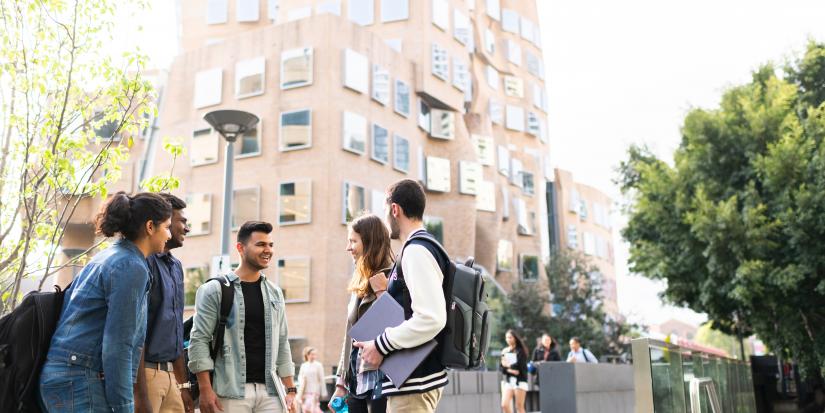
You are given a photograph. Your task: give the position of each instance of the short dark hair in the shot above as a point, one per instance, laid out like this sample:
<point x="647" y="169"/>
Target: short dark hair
<point x="248" y="227"/>
<point x="577" y="340"/>
<point x="409" y="195"/>
<point x="176" y="202"/>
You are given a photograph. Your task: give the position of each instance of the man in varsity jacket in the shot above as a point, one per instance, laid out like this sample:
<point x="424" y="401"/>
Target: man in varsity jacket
<point x="422" y="269"/>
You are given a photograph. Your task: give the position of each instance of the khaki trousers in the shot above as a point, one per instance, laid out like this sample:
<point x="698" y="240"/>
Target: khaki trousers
<point x="163" y="392"/>
<point x="415" y="403"/>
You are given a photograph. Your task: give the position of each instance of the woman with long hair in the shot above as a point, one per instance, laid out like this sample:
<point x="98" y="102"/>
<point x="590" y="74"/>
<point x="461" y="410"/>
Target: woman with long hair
<point x="514" y="368"/>
<point x="96" y="348"/>
<point x="311" y="385"/>
<point x="368" y="242"/>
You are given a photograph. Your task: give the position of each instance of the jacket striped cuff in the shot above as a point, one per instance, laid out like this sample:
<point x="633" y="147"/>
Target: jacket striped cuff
<point x="384" y="346"/>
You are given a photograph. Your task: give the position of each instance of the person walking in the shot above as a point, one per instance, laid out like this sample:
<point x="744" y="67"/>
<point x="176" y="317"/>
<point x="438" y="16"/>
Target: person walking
<point x="417" y="283"/>
<point x="256" y="349"/>
<point x="311" y="385"/>
<point x="579" y="354"/>
<point x="368" y="242"/>
<point x="163" y="380"/>
<point x="547" y="350"/>
<point x="95" y="351"/>
<point x="514" y="368"/>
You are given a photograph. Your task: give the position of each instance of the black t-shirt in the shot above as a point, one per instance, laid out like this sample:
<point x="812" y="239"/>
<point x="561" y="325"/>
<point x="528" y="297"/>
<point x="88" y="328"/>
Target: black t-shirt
<point x="254" y="332"/>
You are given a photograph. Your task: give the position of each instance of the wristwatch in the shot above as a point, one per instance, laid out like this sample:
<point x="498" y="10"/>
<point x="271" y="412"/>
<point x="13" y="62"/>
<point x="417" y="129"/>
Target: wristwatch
<point x="186" y="385"/>
<point x="291" y="390"/>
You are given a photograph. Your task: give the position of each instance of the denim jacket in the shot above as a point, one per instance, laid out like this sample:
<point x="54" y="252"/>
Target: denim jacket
<point x="103" y="323"/>
<point x="230" y="367"/>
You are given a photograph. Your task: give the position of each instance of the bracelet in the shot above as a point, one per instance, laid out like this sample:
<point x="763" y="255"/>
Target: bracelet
<point x="186" y="385"/>
<point x="292" y="390"/>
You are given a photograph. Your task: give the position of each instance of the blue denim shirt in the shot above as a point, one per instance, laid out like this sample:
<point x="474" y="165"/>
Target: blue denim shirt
<point x="230" y="367"/>
<point x="164" y="325"/>
<point x="103" y="323"/>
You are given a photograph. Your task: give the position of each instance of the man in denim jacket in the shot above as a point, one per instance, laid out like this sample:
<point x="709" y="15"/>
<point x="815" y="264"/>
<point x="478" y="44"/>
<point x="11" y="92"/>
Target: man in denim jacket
<point x="255" y="344"/>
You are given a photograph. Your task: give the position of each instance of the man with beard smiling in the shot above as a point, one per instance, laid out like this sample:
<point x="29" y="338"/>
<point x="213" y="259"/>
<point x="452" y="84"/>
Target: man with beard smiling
<point x="162" y="374"/>
<point x="255" y="342"/>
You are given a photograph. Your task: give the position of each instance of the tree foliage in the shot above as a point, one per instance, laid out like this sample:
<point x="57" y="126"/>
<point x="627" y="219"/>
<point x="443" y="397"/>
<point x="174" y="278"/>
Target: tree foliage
<point x="68" y="113"/>
<point x="736" y="223"/>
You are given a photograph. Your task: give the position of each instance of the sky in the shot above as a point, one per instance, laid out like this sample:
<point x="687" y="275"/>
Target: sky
<point x="618" y="73"/>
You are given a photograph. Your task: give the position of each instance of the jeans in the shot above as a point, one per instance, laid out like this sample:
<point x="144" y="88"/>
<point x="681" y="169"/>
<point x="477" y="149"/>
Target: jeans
<point x="256" y="400"/>
<point x="65" y="388"/>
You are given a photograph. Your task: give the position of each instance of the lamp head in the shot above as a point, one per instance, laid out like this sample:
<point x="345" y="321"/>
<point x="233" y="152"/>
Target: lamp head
<point x="231" y="123"/>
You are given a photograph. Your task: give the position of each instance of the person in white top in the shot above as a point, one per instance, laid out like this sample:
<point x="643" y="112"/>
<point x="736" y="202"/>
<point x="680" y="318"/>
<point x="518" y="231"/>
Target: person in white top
<point x="578" y="354"/>
<point x="311" y="386"/>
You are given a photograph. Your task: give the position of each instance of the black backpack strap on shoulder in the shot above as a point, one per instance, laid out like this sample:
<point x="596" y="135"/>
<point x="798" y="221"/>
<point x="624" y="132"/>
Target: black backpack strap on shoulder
<point x="227" y="300"/>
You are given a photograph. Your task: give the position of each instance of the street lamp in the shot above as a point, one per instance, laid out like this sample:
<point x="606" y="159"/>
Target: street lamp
<point x="230" y="124"/>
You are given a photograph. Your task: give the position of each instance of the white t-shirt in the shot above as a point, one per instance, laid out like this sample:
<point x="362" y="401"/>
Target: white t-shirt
<point x="580" y="356"/>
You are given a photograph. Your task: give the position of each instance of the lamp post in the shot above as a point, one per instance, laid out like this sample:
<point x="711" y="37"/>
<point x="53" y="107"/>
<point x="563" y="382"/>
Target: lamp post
<point x="230" y="124"/>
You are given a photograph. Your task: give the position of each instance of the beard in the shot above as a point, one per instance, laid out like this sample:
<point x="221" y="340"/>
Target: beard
<point x="252" y="262"/>
<point x="395" y="231"/>
<point x="173" y="243"/>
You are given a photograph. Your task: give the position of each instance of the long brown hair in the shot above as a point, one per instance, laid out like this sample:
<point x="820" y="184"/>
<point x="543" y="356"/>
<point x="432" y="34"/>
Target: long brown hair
<point x="377" y="255"/>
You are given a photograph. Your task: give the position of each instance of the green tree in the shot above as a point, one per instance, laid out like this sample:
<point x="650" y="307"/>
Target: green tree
<point x="523" y="310"/>
<point x="707" y="335"/>
<point x="735" y="224"/>
<point x="67" y="115"/>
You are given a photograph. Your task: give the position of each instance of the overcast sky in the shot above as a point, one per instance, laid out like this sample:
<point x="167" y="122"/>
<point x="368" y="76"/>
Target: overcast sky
<point x="622" y="72"/>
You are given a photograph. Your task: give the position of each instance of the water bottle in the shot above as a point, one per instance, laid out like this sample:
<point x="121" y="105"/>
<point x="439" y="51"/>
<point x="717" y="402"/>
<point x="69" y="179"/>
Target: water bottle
<point x="339" y="405"/>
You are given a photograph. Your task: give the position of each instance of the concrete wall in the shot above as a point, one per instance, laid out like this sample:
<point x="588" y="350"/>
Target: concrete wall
<point x="471" y="391"/>
<point x="586" y="388"/>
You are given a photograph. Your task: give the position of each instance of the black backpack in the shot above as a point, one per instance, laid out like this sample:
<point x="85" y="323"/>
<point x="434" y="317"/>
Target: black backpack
<point x="25" y="336"/>
<point x="464" y="340"/>
<point x="227" y="300"/>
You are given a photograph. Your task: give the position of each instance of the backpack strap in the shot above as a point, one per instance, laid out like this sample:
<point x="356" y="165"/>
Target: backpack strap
<point x="447" y="286"/>
<point x="227" y="301"/>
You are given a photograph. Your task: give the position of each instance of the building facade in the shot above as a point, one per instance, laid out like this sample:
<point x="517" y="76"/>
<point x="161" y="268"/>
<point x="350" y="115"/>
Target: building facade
<point x="579" y="219"/>
<point x="354" y="95"/>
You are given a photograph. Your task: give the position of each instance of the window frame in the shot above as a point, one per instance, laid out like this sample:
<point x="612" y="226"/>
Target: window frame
<point x="521" y="264"/>
<point x="189" y="202"/>
<point x="396" y="109"/>
<point x="344" y="132"/>
<point x="257" y="189"/>
<point x="309" y="277"/>
<point x="281" y="148"/>
<point x="238" y="78"/>
<point x="433" y="184"/>
<point x="395" y="158"/>
<point x="378" y="71"/>
<point x="212" y="133"/>
<point x="352" y="66"/>
<point x="344" y="197"/>
<point x="203" y="76"/>
<point x="239" y="142"/>
<point x="294" y="53"/>
<point x="373" y="145"/>
<point x="405" y="4"/>
<point x="280" y="205"/>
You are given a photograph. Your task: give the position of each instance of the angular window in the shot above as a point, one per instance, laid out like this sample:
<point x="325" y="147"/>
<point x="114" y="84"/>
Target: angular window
<point x="217" y="11"/>
<point x="380" y="144"/>
<point x="461" y="75"/>
<point x="503" y="160"/>
<point x="296" y="68"/>
<point x="361" y="12"/>
<point x="249" y="77"/>
<point x="486" y="196"/>
<point x="402" y="98"/>
<point x="504" y="255"/>
<point x="401" y="153"/>
<point x="533" y="125"/>
<point x="492" y="77"/>
<point x="355" y="201"/>
<point x="441" y="14"/>
<point x="293" y="279"/>
<point x="435" y="226"/>
<point x="515" y="118"/>
<point x="192" y="279"/>
<point x="542" y="131"/>
<point x="106" y="130"/>
<point x="377" y="202"/>
<point x="424" y="117"/>
<point x="527" y="29"/>
<point x="527" y="183"/>
<point x="247" y="10"/>
<point x="537" y="95"/>
<point x="329" y="7"/>
<point x="246" y="206"/>
<point x="513" y="86"/>
<point x="442" y="124"/>
<point x="462" y="28"/>
<point x="296" y="130"/>
<point x="509" y="21"/>
<point x="496" y="112"/>
<point x="208" y="85"/>
<point x="513" y="51"/>
<point x="299" y="13"/>
<point x="573" y="203"/>
<point x="355" y="133"/>
<point x="249" y="144"/>
<point x="199" y="213"/>
<point x="505" y="202"/>
<point x="533" y="64"/>
<point x="440" y="62"/>
<point x="272" y="9"/>
<point x="529" y="267"/>
<point x="203" y="149"/>
<point x="485" y="149"/>
<point x="523" y="218"/>
<point x="356" y="71"/>
<point x="295" y="202"/>
<point x="380" y="85"/>
<point x="394" y="10"/>
<point x="489" y="42"/>
<point x="494" y="9"/>
<point x="572" y="236"/>
<point x="438" y="174"/>
<point x="589" y="243"/>
<point x="515" y="171"/>
<point x="469" y="176"/>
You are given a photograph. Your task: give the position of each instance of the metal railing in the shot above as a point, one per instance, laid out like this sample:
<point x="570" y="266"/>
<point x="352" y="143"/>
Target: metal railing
<point x="672" y="379"/>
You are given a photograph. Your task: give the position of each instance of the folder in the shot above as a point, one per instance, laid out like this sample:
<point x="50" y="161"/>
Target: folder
<point x="279" y="388"/>
<point x="386" y="312"/>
